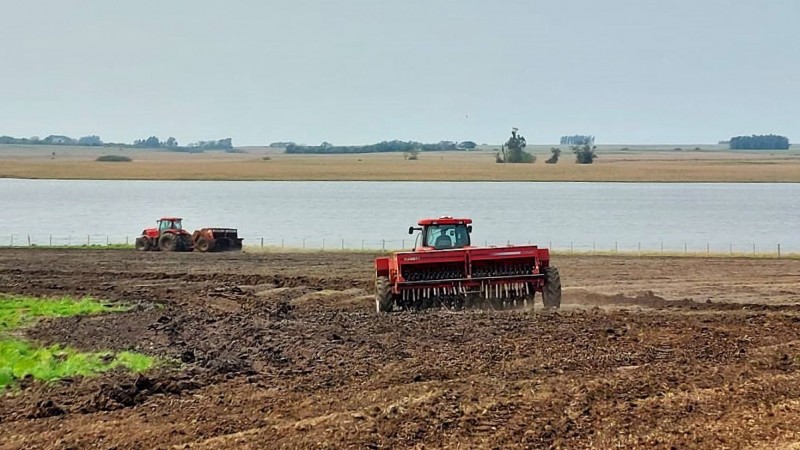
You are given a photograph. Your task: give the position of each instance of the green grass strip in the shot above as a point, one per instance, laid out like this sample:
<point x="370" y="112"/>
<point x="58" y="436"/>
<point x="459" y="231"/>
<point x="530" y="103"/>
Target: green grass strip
<point x="18" y="311"/>
<point x="19" y="359"/>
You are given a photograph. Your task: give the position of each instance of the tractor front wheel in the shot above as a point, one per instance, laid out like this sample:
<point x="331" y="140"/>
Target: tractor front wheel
<point x="168" y="242"/>
<point x="142" y="244"/>
<point x="551" y="294"/>
<point x="383" y="295"/>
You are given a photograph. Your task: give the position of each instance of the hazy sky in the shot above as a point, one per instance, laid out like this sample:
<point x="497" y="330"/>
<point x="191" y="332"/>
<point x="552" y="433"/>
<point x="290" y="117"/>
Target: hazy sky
<point x="361" y="71"/>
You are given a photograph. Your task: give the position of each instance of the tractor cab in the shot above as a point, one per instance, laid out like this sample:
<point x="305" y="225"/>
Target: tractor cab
<point x="442" y="234"/>
<point x="169" y="223"/>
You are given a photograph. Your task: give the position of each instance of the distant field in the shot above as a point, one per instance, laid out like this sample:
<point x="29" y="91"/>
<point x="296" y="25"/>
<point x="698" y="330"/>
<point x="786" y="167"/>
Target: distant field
<point x="666" y="163"/>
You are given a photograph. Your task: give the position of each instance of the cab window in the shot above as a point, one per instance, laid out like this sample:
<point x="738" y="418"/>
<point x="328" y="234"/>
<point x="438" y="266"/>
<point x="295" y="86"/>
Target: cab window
<point x="447" y="236"/>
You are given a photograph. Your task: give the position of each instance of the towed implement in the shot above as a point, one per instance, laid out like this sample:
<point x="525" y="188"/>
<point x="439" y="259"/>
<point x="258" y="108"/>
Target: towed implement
<point x="217" y="239"/>
<point x="445" y="270"/>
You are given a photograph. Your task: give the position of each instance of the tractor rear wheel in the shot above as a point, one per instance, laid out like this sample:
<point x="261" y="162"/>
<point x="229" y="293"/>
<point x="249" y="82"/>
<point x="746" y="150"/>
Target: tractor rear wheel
<point x="168" y="242"/>
<point x="551" y="294"/>
<point x="204" y="244"/>
<point x="185" y="243"/>
<point x="142" y="244"/>
<point x="383" y="295"/>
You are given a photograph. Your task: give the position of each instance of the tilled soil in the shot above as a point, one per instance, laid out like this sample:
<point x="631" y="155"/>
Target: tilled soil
<point x="286" y="351"/>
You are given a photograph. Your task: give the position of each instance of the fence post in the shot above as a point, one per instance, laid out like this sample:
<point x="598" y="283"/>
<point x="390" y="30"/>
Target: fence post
<point x="404" y="244"/>
<point x="282" y="243"/>
<point x="262" y="242"/>
<point x="571" y="248"/>
<point x="88" y="240"/>
<point x="106" y="240"/>
<point x="51" y="240"/>
<point x="304" y="243"/>
<point x="342" y="244"/>
<point x="685" y="248"/>
<point x="126" y="240"/>
<point x="29" y="242"/>
<point x="594" y="247"/>
<point x="616" y="247"/>
<point x="754" y="249"/>
<point x="383" y="244"/>
<point x="779" y="251"/>
<point x="640" y="249"/>
<point x="731" y="249"/>
<point x="362" y="244"/>
<point x="323" y="244"/>
<point x="708" y="249"/>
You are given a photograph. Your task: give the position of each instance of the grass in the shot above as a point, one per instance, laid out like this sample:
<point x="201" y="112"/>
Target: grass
<point x="19" y="359"/>
<point x="17" y="311"/>
<point x="635" y="165"/>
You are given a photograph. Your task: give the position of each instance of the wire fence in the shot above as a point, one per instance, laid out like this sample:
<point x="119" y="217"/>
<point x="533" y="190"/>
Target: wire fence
<point x="741" y="248"/>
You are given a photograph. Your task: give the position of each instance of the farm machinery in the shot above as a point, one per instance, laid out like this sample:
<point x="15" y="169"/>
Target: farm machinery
<point x="445" y="270"/>
<point x="169" y="236"/>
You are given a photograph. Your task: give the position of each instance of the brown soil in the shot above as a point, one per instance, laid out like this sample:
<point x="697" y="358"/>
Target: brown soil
<point x="285" y="351"/>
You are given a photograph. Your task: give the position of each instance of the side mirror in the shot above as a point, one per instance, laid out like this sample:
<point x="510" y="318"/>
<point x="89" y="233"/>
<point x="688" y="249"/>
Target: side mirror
<point x="469" y="228"/>
<point x="410" y="230"/>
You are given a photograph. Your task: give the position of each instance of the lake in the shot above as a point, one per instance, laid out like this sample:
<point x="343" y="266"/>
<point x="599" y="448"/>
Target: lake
<point x="583" y="216"/>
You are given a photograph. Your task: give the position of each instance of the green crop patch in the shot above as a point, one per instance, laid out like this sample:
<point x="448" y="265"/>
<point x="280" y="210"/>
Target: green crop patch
<point x="17" y="311"/>
<point x="19" y="358"/>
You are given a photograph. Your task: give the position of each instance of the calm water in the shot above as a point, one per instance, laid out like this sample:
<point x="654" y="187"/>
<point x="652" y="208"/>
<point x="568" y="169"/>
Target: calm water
<point x="367" y="213"/>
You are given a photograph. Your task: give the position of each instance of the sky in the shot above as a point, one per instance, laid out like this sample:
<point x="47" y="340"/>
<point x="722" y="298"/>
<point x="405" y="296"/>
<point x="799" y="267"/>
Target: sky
<point x="362" y="71"/>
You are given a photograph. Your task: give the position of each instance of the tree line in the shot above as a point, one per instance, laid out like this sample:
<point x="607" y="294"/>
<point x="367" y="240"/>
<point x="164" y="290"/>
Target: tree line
<point x="152" y="142"/>
<point x="381" y="147"/>
<point x="760" y="142"/>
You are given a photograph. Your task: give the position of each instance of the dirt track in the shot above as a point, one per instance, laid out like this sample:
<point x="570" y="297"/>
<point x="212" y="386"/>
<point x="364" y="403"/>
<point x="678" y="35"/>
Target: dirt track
<point x="285" y="351"/>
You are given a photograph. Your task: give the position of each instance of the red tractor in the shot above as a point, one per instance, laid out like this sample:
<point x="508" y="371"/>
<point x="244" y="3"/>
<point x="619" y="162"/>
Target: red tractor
<point x="445" y="270"/>
<point x="168" y="236"/>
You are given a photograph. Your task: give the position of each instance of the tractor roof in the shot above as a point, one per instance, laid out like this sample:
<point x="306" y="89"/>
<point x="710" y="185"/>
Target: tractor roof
<point x="444" y="220"/>
<point x="170" y="218"/>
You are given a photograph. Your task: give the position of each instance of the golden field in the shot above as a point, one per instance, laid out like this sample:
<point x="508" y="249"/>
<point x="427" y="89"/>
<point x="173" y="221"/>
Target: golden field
<point x="638" y="164"/>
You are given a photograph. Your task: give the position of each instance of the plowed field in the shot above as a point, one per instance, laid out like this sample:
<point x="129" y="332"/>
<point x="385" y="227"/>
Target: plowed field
<point x="276" y="351"/>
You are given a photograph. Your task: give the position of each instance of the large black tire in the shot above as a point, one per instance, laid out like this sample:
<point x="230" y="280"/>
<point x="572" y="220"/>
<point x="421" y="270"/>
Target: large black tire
<point x="204" y="244"/>
<point x="142" y="244"/>
<point x="384" y="303"/>
<point x="185" y="243"/>
<point x="168" y="242"/>
<point x="551" y="294"/>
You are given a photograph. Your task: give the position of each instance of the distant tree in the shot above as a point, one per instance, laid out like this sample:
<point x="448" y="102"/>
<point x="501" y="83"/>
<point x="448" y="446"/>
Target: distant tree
<point x="92" y="140"/>
<point x="222" y="144"/>
<point x="577" y="139"/>
<point x="513" y="150"/>
<point x="151" y="142"/>
<point x="584" y="154"/>
<point x="171" y="142"/>
<point x="556" y="153"/>
<point x="467" y="145"/>
<point x="57" y="139"/>
<point x="761" y="142"/>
